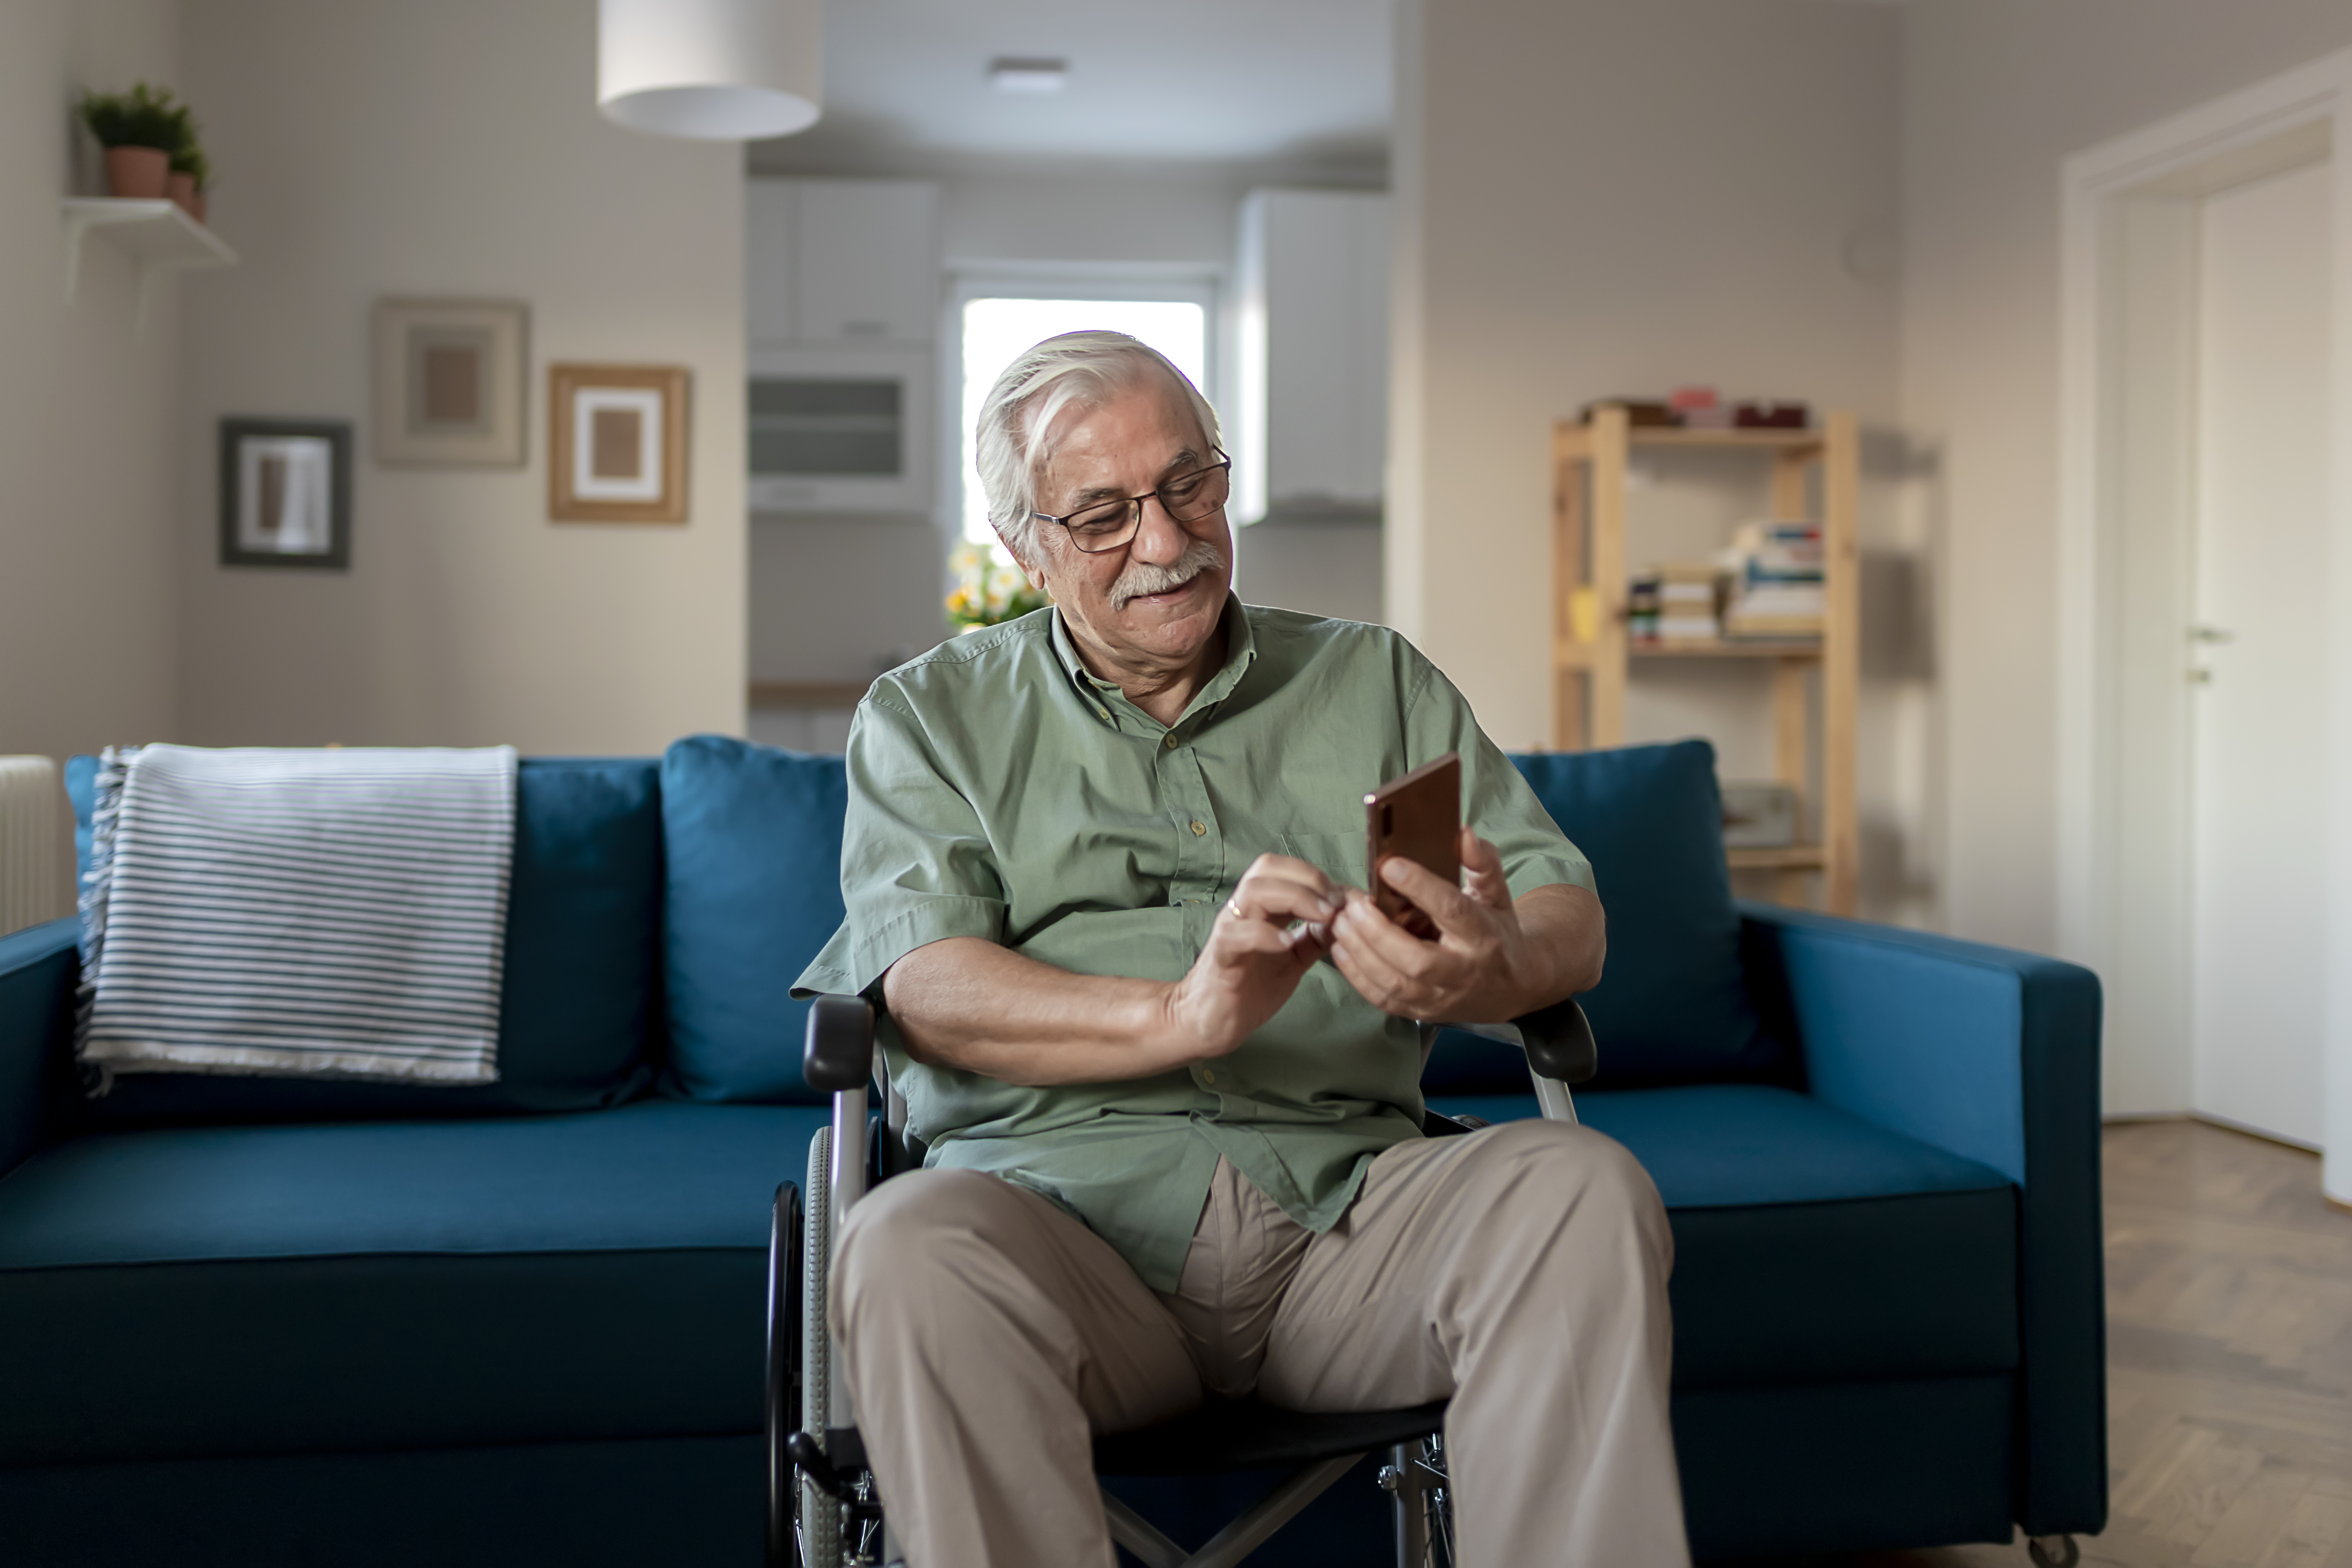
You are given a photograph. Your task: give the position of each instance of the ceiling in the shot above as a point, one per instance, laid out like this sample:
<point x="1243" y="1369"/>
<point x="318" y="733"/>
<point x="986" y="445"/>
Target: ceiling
<point x="1209" y="82"/>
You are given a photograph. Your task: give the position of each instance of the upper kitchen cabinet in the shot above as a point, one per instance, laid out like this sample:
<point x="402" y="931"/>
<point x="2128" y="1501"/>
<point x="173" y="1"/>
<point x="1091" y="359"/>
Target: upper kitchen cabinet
<point x="834" y="262"/>
<point x="1313" y="330"/>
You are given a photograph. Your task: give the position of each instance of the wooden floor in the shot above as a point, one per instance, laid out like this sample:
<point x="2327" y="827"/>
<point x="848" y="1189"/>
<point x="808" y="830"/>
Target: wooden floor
<point x="2228" y="1360"/>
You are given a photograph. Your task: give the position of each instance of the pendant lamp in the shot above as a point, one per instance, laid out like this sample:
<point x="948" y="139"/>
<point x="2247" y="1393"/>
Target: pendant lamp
<point x="711" y="70"/>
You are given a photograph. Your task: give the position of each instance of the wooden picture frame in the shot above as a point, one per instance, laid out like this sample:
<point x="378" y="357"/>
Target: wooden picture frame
<point x="616" y="443"/>
<point x="451" y="382"/>
<point x="285" y="493"/>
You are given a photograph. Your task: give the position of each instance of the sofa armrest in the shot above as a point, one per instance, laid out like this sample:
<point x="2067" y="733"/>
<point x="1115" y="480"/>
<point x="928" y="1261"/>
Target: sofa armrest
<point x="39" y="967"/>
<point x="1994" y="1055"/>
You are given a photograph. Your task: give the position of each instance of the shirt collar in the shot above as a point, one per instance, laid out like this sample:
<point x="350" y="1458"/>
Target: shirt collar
<point x="1241" y="652"/>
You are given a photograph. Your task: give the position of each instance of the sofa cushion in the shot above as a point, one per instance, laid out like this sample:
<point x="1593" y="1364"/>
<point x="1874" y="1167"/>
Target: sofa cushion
<point x="1811" y="1245"/>
<point x="754" y="843"/>
<point x="577" y="1004"/>
<point x="1672" y="1005"/>
<point x="266" y="1289"/>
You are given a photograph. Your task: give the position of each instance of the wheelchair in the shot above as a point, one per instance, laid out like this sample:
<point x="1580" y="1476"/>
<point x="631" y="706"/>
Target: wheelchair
<point x="824" y="1510"/>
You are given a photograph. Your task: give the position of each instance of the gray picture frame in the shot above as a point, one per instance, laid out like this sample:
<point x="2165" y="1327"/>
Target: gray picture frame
<point x="285" y="493"/>
<point x="474" y="355"/>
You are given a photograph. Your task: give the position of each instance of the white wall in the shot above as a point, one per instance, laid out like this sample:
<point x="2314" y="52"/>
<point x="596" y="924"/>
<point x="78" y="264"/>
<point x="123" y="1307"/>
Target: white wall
<point x="1997" y="94"/>
<point x="88" y="595"/>
<point x="424" y="147"/>
<point x="1618" y="197"/>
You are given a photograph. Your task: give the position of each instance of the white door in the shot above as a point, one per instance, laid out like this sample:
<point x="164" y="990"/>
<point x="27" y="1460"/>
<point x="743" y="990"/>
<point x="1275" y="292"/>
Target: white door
<point x="2257" y="652"/>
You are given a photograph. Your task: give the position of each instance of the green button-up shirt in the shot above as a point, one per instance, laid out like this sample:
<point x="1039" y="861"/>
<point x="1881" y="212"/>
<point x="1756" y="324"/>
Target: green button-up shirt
<point x="999" y="790"/>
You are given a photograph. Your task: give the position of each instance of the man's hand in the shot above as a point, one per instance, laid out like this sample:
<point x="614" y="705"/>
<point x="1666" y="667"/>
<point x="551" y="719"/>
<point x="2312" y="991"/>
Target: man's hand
<point x="964" y="1002"/>
<point x="1493" y="959"/>
<point x="1268" y="935"/>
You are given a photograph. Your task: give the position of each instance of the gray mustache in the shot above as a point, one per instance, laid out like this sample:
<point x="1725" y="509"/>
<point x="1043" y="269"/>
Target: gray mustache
<point x="1142" y="577"/>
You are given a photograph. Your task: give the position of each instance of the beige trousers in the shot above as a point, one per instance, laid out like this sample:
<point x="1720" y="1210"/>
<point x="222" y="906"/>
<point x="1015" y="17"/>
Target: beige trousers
<point x="1520" y="1271"/>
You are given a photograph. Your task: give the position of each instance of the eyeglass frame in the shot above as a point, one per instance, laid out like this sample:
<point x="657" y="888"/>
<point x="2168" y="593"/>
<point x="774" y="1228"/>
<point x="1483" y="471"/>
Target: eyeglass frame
<point x="1135" y="506"/>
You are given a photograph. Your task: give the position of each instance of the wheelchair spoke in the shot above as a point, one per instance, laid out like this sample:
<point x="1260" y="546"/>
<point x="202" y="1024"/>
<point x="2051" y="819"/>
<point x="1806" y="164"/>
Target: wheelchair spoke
<point x="1437" y="1501"/>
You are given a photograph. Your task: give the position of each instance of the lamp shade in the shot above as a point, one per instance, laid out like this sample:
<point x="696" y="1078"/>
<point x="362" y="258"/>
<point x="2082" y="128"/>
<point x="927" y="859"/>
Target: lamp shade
<point x="712" y="71"/>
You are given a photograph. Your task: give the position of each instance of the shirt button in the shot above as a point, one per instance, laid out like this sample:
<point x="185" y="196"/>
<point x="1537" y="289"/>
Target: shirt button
<point x="1170" y="743"/>
<point x="1199" y="829"/>
<point x="1208" y="1075"/>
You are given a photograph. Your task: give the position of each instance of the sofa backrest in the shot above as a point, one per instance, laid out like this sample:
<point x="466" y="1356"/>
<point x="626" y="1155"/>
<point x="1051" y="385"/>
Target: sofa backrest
<point x="754" y="841"/>
<point x="579" y="1010"/>
<point x="1672" y="1004"/>
<point x="661" y="911"/>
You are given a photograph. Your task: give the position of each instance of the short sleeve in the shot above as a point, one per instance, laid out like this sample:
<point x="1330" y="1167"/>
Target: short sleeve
<point x="916" y="865"/>
<point x="1495" y="798"/>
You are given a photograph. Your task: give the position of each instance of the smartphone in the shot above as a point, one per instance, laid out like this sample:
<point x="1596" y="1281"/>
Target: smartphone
<point x="1418" y="816"/>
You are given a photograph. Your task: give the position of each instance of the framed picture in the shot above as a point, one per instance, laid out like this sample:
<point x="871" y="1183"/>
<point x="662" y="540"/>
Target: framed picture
<point x="616" y="443"/>
<point x="285" y="493"/>
<point x="449" y="380"/>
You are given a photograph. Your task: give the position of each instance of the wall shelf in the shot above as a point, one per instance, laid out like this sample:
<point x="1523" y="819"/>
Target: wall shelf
<point x="1589" y="464"/>
<point x="158" y="236"/>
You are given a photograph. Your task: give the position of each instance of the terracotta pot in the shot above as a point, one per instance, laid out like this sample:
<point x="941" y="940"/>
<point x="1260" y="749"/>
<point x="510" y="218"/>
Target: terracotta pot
<point x="137" y="172"/>
<point x="181" y="188"/>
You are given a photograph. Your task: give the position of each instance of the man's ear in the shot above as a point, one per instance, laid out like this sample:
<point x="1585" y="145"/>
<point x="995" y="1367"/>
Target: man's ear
<point x="1035" y="573"/>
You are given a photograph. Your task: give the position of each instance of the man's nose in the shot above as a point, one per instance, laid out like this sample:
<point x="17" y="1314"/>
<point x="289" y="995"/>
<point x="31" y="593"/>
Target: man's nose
<point x="1159" y="539"/>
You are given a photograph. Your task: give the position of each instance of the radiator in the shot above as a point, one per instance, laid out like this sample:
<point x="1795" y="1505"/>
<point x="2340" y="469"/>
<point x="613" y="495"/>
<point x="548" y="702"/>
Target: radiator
<point x="32" y="850"/>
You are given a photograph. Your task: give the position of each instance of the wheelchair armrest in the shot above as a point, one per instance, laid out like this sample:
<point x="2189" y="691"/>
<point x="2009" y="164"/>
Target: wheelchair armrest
<point x="1558" y="1039"/>
<point x="839" y="1054"/>
<point x="1560" y="1043"/>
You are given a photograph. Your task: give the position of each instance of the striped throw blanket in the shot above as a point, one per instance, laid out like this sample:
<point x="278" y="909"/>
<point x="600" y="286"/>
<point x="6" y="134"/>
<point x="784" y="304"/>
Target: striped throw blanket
<point x="333" y="913"/>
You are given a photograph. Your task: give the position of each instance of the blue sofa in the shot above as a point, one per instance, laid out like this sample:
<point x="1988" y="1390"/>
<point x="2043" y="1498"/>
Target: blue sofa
<point x="261" y="1321"/>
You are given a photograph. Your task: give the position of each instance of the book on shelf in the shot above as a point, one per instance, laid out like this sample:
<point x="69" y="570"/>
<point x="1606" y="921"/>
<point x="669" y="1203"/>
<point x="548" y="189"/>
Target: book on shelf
<point x="1774" y="582"/>
<point x="1677" y="602"/>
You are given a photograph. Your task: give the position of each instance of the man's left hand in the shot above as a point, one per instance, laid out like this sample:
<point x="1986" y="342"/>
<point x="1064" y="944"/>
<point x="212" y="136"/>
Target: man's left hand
<point x="1484" y="965"/>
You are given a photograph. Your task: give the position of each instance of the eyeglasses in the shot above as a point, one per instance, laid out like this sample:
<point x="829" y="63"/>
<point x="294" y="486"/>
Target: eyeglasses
<point x="1187" y="497"/>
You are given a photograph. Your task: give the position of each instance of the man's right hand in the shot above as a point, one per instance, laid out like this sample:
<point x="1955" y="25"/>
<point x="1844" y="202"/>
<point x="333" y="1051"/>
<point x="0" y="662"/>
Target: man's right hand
<point x="1268" y="935"/>
<point x="964" y="1002"/>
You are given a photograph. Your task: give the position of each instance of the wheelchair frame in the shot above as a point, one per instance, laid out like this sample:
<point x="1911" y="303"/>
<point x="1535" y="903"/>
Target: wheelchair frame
<point x="824" y="1510"/>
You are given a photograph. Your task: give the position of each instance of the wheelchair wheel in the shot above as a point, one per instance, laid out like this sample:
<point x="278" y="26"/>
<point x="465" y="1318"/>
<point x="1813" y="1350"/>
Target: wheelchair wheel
<point x="784" y="1393"/>
<point x="820" y="1515"/>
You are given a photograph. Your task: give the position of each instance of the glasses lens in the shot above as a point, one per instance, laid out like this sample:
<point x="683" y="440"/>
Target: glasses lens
<point x="1192" y="496"/>
<point x="1105" y="526"/>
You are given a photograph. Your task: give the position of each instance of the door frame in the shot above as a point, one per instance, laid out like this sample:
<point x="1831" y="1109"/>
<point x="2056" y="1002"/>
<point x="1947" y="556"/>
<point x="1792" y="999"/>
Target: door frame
<point x="2126" y="516"/>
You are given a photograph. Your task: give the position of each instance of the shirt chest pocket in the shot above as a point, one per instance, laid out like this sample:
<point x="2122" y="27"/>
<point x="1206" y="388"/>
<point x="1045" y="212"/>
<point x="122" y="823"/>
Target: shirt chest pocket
<point x="1339" y="855"/>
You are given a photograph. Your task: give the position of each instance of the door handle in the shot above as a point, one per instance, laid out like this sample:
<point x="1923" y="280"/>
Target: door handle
<point x="2211" y="635"/>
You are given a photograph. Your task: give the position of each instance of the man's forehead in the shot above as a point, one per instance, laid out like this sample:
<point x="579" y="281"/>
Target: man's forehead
<point x="1097" y="441"/>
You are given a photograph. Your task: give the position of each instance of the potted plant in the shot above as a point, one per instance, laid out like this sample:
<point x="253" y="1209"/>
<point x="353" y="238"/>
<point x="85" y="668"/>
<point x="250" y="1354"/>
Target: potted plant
<point x="990" y="589"/>
<point x="139" y="130"/>
<point x="191" y="171"/>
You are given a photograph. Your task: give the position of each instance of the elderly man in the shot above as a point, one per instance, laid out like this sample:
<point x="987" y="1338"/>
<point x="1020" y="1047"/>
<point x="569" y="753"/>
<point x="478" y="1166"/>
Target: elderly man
<point x="1105" y="870"/>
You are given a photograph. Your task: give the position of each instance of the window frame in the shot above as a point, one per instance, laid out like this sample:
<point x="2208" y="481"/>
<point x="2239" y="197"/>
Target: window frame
<point x="1204" y="286"/>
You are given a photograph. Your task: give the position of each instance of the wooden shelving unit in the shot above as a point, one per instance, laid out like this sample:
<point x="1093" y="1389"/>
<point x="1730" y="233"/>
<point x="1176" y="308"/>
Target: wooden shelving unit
<point x="1593" y="653"/>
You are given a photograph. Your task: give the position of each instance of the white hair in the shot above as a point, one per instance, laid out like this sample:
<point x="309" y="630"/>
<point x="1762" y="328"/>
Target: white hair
<point x="1083" y="370"/>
